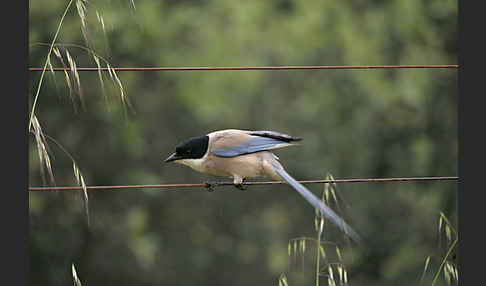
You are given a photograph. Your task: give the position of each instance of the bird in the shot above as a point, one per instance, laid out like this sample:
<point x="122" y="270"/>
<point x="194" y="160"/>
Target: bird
<point x="242" y="154"/>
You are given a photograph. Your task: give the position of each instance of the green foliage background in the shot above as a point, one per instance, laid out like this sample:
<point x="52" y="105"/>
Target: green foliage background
<point x="355" y="124"/>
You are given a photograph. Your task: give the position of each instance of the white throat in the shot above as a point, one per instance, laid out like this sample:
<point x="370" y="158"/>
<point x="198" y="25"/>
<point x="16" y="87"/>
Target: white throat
<point x="196" y="164"/>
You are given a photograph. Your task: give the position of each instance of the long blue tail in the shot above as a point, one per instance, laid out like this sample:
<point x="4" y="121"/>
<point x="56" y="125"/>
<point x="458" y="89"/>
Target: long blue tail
<point x="314" y="201"/>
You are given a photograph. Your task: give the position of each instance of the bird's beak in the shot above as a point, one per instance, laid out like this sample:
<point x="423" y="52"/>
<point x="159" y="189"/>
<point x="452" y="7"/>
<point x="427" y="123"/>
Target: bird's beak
<point x="172" y="157"/>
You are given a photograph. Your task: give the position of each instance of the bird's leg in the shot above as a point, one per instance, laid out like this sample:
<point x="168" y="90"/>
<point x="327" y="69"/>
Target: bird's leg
<point x="240" y="187"/>
<point x="238" y="183"/>
<point x="210" y="186"/>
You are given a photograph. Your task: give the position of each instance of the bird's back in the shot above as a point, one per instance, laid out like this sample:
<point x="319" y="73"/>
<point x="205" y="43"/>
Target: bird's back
<point x="234" y="142"/>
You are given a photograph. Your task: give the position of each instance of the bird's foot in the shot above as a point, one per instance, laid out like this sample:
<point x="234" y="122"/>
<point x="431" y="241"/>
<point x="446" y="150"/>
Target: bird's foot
<point x="240" y="186"/>
<point x="210" y="186"/>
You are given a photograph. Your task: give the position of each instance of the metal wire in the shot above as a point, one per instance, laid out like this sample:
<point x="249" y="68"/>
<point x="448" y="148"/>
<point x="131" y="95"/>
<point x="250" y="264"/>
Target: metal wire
<point x="210" y="185"/>
<point x="253" y="68"/>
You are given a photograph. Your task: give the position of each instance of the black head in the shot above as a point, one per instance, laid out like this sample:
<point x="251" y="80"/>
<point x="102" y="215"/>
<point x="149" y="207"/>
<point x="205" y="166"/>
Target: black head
<point x="193" y="148"/>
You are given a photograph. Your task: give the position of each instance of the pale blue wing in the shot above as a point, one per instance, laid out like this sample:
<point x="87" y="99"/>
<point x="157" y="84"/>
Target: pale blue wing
<point x="255" y="144"/>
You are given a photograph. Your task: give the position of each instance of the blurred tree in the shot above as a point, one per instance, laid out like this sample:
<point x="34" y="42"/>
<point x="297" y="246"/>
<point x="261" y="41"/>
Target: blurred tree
<point x="364" y="123"/>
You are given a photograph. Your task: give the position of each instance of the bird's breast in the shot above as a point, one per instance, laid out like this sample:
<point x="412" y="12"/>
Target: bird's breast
<point x="244" y="166"/>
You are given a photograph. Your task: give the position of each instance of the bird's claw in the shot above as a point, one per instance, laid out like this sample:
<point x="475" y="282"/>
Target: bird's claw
<point x="209" y="186"/>
<point x="240" y="187"/>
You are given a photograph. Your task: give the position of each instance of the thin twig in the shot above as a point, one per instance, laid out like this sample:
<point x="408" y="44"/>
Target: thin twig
<point x="48" y="58"/>
<point x="441" y="267"/>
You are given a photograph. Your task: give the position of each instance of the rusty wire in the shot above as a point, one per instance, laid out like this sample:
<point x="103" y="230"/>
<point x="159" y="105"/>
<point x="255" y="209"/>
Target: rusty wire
<point x="252" y="68"/>
<point x="210" y="185"/>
